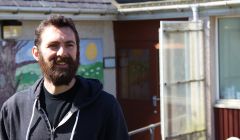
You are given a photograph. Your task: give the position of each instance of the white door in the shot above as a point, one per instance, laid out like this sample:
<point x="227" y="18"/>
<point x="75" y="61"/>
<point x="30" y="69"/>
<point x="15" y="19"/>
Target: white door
<point x="182" y="80"/>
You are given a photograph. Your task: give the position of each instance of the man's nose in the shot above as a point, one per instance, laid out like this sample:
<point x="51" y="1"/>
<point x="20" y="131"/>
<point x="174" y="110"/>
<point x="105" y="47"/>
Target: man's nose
<point x="62" y="51"/>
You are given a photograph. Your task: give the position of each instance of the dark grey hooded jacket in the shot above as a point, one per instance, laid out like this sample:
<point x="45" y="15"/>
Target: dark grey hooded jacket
<point x="95" y="115"/>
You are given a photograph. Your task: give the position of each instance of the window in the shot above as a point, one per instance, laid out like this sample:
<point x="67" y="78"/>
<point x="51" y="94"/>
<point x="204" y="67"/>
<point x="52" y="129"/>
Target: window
<point x="135" y="74"/>
<point x="11" y="29"/>
<point x="229" y="57"/>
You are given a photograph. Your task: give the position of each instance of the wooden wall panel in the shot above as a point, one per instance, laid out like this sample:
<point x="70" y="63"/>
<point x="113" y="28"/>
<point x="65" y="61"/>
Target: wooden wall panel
<point x="227" y="123"/>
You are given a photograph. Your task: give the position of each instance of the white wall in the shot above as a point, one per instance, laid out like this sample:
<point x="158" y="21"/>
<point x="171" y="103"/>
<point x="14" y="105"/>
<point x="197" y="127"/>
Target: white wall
<point x="88" y="29"/>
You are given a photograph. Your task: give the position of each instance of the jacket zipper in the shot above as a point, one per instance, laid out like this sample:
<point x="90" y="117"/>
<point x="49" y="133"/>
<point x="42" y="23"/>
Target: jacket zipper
<point x="52" y="134"/>
<point x="52" y="130"/>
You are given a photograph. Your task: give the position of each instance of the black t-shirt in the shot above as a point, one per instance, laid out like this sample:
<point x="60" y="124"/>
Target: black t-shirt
<point x="57" y="106"/>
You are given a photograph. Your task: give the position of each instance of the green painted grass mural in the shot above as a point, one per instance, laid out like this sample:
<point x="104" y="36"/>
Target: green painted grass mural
<point x="91" y="71"/>
<point x="27" y="75"/>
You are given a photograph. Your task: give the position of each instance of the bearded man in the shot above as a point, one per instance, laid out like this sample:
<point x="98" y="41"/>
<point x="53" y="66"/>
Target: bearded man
<point x="61" y="105"/>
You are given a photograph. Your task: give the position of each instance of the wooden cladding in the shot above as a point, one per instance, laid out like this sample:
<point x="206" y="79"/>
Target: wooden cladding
<point x="227" y="123"/>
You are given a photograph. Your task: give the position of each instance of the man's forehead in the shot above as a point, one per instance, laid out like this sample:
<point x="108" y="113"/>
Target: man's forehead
<point x="52" y="32"/>
<point x="57" y="29"/>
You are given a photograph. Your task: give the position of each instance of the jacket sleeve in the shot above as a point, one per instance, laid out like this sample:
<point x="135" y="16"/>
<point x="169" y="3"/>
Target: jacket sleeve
<point x="3" y="127"/>
<point x="116" y="126"/>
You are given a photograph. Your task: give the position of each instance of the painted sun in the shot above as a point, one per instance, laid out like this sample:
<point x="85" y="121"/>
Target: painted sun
<point x="91" y="51"/>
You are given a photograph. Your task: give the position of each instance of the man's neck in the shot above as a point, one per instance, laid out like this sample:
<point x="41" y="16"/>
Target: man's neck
<point x="55" y="90"/>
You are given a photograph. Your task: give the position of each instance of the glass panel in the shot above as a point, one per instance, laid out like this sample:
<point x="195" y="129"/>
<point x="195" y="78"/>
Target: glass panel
<point x="229" y="75"/>
<point x="11" y="29"/>
<point x="134" y="73"/>
<point x="12" y="32"/>
<point x="182" y="80"/>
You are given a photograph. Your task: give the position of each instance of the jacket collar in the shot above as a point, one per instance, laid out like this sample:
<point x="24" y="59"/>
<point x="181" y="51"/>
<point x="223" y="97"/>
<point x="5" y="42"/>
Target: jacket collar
<point x="87" y="93"/>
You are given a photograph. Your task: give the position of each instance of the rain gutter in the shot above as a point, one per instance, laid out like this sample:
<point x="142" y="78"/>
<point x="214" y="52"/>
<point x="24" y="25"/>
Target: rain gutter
<point x="152" y="8"/>
<point x="48" y="10"/>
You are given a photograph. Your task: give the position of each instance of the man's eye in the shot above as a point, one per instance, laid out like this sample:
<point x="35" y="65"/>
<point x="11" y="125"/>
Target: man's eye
<point x="53" y="46"/>
<point x="70" y="45"/>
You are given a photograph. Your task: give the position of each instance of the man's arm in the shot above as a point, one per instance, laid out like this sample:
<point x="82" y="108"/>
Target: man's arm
<point x="116" y="128"/>
<point x="3" y="131"/>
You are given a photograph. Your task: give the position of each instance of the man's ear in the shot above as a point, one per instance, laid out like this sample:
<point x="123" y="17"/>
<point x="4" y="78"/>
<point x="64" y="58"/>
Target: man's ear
<point x="35" y="53"/>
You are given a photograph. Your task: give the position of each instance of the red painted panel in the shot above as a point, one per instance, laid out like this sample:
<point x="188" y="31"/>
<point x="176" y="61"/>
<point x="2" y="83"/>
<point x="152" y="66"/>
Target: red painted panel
<point x="227" y="123"/>
<point x="136" y="30"/>
<point x="217" y="125"/>
<point x="144" y="30"/>
<point x="230" y="122"/>
<point x="236" y="123"/>
<point x="221" y="124"/>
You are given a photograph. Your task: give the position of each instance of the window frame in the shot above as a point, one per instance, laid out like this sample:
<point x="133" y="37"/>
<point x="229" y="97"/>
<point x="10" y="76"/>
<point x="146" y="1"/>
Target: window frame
<point x="14" y="23"/>
<point x="222" y="103"/>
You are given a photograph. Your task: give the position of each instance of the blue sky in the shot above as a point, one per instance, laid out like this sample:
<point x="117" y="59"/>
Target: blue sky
<point x="25" y="53"/>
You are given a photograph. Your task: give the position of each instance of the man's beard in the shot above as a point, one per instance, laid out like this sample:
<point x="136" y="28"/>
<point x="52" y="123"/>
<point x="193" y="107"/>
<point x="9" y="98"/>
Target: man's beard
<point x="57" y="75"/>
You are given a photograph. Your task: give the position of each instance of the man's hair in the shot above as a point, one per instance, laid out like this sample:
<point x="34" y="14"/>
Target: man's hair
<point x="56" y="21"/>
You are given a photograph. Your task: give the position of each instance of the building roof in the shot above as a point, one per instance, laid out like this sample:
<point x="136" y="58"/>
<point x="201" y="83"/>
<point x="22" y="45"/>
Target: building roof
<point x="166" y="9"/>
<point x="134" y="1"/>
<point x="40" y="9"/>
<point x="165" y="2"/>
<point x="80" y="4"/>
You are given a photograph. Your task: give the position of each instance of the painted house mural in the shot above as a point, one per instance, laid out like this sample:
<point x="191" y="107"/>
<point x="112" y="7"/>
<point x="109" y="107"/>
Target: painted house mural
<point x="19" y="70"/>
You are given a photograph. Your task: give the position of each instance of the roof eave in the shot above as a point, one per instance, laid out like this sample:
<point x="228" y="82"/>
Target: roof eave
<point x="152" y="10"/>
<point x="13" y="12"/>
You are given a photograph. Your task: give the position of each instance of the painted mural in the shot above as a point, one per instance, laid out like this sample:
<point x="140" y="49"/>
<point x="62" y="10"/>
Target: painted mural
<point x="27" y="74"/>
<point x="8" y="67"/>
<point x="91" y="59"/>
<point x="19" y="70"/>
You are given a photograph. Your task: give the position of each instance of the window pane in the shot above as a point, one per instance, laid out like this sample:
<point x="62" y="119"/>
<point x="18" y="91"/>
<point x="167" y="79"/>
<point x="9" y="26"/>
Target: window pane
<point x="135" y="73"/>
<point x="11" y="29"/>
<point x="182" y="81"/>
<point x="229" y="58"/>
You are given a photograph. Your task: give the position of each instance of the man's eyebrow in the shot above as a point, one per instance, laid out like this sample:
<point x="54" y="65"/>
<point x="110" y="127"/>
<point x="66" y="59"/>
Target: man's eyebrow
<point x="54" y="42"/>
<point x="70" y="41"/>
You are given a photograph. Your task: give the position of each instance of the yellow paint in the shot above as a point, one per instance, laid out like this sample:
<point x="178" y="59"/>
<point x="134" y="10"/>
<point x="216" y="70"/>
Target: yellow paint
<point x="91" y="51"/>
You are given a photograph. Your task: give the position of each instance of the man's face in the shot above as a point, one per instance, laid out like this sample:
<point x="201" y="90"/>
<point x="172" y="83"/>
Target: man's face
<point x="57" y="55"/>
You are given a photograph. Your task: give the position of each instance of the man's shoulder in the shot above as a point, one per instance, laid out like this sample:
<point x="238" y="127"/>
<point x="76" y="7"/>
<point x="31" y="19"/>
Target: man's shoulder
<point x="17" y="99"/>
<point x="22" y="94"/>
<point x="107" y="98"/>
